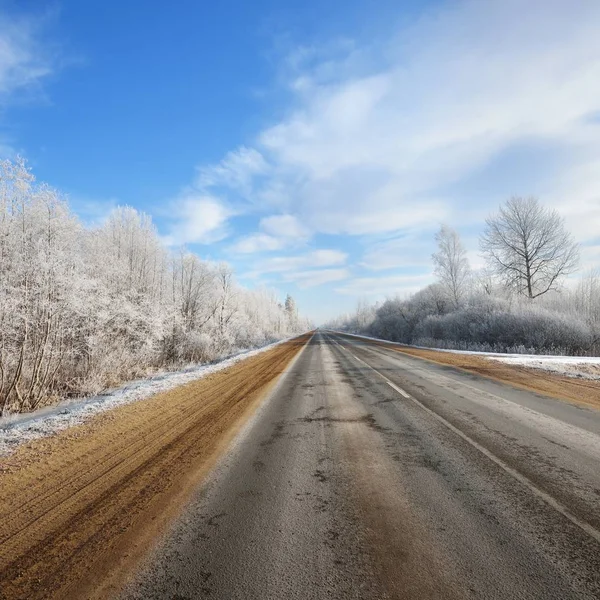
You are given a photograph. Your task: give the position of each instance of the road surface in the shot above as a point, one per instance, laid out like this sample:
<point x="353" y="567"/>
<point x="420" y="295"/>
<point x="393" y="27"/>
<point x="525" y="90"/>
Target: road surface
<point x="366" y="473"/>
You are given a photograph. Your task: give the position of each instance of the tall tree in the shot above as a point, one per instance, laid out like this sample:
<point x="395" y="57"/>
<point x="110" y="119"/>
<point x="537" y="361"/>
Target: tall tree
<point x="290" y="307"/>
<point x="527" y="245"/>
<point x="451" y="264"/>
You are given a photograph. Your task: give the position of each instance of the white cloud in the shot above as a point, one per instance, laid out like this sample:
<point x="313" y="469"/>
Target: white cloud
<point x="312" y="278"/>
<point x="286" y="226"/>
<point x="386" y="141"/>
<point x="377" y="132"/>
<point x="409" y="250"/>
<point x="324" y="258"/>
<point x="305" y="270"/>
<point x="277" y="232"/>
<point x="575" y="193"/>
<point x="236" y="171"/>
<point x="381" y="287"/>
<point x="310" y="260"/>
<point x="24" y="60"/>
<point x="197" y="219"/>
<point x="258" y="242"/>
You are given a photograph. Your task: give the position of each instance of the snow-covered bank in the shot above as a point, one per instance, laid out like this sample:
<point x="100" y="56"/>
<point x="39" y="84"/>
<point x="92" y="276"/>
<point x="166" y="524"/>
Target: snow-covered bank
<point x="583" y="367"/>
<point x="18" y="429"/>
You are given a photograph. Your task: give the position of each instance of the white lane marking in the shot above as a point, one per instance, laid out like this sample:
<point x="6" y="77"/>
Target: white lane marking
<point x="392" y="385"/>
<point x="546" y="425"/>
<point x="563" y="510"/>
<point x="399" y="390"/>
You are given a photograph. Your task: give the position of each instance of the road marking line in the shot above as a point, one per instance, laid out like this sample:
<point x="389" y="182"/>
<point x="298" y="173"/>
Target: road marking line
<point x="563" y="510"/>
<point x="399" y="390"/>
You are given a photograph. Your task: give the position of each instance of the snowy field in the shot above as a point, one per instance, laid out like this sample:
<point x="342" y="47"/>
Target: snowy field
<point x="19" y="429"/>
<point x="583" y="367"/>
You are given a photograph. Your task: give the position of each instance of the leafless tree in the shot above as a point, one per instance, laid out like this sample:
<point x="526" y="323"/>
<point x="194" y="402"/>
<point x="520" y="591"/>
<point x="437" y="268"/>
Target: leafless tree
<point x="527" y="245"/>
<point x="451" y="265"/>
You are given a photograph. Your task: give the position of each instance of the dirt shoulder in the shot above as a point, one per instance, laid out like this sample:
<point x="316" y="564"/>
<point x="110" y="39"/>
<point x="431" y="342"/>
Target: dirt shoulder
<point x="579" y="391"/>
<point x="79" y="509"/>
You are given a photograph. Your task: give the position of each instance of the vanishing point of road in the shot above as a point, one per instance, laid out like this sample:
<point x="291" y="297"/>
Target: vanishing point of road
<point x="366" y="473"/>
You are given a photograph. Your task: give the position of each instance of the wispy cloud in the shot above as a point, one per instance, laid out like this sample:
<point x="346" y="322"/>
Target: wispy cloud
<point x="304" y="270"/>
<point x="471" y="103"/>
<point x="315" y="277"/>
<point x="309" y="260"/>
<point x="411" y="250"/>
<point x="277" y="232"/>
<point x="197" y="219"/>
<point x="24" y="59"/>
<point x="237" y="171"/>
<point x="378" y="135"/>
<point x="390" y="285"/>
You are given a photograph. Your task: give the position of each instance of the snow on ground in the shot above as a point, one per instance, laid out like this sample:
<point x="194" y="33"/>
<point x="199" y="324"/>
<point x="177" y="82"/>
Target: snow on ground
<point x="19" y="429"/>
<point x="583" y="367"/>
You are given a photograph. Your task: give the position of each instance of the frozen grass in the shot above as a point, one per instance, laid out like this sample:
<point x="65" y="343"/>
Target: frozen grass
<point x="19" y="429"/>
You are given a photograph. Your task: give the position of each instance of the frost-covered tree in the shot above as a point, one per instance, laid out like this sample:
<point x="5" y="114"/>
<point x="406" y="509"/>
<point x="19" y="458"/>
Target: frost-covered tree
<point x="528" y="247"/>
<point x="82" y="309"/>
<point x="290" y="309"/>
<point x="451" y="265"/>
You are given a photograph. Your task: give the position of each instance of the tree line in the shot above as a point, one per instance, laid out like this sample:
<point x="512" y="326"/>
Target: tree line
<point x="517" y="303"/>
<point x="83" y="309"/>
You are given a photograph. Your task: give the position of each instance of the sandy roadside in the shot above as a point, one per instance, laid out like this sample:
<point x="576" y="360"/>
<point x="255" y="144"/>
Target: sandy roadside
<point x="579" y="391"/>
<point x="79" y="509"/>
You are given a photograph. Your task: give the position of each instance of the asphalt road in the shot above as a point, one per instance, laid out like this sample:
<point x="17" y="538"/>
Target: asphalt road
<point x="367" y="473"/>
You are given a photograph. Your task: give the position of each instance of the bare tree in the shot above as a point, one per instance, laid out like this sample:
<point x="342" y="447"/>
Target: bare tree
<point x="528" y="246"/>
<point x="451" y="265"/>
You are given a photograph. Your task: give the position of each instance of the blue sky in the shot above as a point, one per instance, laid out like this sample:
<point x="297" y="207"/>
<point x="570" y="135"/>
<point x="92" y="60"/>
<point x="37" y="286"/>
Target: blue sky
<point x="315" y="146"/>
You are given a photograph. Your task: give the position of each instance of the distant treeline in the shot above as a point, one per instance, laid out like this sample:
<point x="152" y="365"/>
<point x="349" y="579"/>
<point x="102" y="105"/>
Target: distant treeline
<point x="517" y="304"/>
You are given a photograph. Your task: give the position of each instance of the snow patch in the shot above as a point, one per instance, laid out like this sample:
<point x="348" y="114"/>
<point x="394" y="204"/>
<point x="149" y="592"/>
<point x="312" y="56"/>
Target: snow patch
<point x="21" y="428"/>
<point x="582" y="367"/>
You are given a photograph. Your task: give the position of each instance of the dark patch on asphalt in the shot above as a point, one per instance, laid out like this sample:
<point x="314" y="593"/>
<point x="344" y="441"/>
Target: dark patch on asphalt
<point x="314" y="412"/>
<point x="322" y="505"/>
<point x="556" y="443"/>
<point x="386" y="401"/>
<point x="214" y="520"/>
<point x="432" y="464"/>
<point x="320" y="475"/>
<point x="278" y="433"/>
<point x="249" y="494"/>
<point x="369" y="420"/>
<point x="332" y="535"/>
<point x="205" y="577"/>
